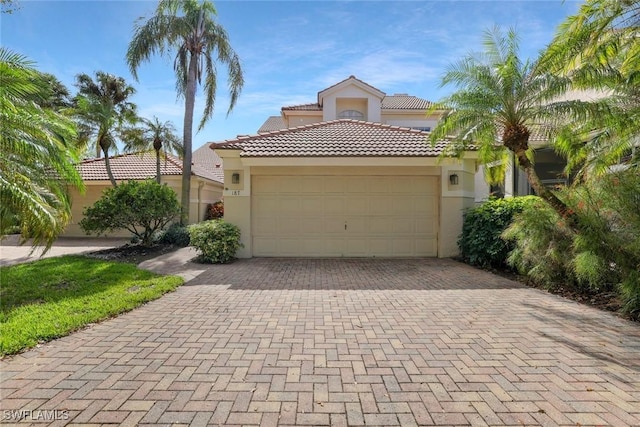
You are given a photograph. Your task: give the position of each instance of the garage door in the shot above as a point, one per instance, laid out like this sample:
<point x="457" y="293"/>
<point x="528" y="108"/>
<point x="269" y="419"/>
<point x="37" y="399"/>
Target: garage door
<point x="351" y="216"/>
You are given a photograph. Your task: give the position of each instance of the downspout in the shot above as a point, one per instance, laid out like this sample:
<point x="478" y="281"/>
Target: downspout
<point x="200" y="185"/>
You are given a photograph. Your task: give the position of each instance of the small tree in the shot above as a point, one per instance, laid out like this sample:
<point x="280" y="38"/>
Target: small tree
<point x="139" y="207"/>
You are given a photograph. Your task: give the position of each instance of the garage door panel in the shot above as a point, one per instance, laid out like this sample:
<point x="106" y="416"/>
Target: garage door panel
<point x="312" y="184"/>
<point x="357" y="225"/>
<point x="426" y="245"/>
<point x="424" y="225"/>
<point x="379" y="185"/>
<point x="268" y="204"/>
<point x="334" y="246"/>
<point x="424" y="204"/>
<point x="265" y="225"/>
<point x="382" y="225"/>
<point x="309" y="225"/>
<point x="334" y="205"/>
<point x="333" y="185"/>
<point x="401" y="206"/>
<point x="312" y="205"/>
<point x="357" y="246"/>
<point x="306" y="216"/>
<point x="404" y="226"/>
<point x="265" y="185"/>
<point x="404" y="246"/>
<point x="379" y="247"/>
<point x="289" y="204"/>
<point x="333" y="225"/>
<point x="355" y="185"/>
<point x="357" y="204"/>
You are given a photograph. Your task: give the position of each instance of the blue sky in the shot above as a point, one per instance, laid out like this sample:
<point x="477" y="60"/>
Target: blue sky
<point x="290" y="50"/>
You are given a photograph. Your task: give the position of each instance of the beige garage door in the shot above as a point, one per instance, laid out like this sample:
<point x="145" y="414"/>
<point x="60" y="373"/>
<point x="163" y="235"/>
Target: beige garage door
<point x="351" y="216"/>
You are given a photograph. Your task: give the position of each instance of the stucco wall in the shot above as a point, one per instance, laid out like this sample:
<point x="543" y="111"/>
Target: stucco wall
<point x="210" y="192"/>
<point x="330" y="103"/>
<point x="294" y="120"/>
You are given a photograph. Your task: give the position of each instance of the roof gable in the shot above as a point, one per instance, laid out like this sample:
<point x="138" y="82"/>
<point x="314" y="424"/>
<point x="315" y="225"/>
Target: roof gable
<point x="349" y="81"/>
<point x="337" y="138"/>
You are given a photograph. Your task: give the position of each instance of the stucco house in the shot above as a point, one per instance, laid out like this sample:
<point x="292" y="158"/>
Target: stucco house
<point x="206" y="182"/>
<point x="351" y="175"/>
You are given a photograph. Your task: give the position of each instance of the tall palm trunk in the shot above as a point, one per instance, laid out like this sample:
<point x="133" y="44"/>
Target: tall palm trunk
<point x="158" y="165"/>
<point x="189" y="100"/>
<point x="516" y="139"/>
<point x="543" y="192"/>
<point x="107" y="162"/>
<point x="157" y="145"/>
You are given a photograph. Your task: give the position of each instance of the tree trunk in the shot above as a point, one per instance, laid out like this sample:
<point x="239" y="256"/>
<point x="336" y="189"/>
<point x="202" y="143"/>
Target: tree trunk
<point x="158" y="166"/>
<point x="189" y="101"/>
<point x="107" y="164"/>
<point x="547" y="195"/>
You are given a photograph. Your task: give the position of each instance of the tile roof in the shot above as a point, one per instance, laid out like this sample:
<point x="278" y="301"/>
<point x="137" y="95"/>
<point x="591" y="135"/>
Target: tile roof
<point x="337" y="138"/>
<point x="389" y="102"/>
<point x="271" y="124"/>
<point x="134" y="166"/>
<point x="405" y="102"/>
<point x="207" y="164"/>
<point x="313" y="106"/>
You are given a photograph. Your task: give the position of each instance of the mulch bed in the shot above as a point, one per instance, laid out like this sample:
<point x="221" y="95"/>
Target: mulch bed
<point x="133" y="254"/>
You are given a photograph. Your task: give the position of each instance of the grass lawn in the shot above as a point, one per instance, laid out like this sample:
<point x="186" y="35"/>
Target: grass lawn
<point x="52" y="297"/>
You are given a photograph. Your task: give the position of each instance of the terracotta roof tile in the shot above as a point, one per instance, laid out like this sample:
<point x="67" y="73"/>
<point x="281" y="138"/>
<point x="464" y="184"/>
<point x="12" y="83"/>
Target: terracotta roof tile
<point x="337" y="138"/>
<point x="314" y="106"/>
<point x="128" y="166"/>
<point x="135" y="166"/>
<point x="405" y="102"/>
<point x="391" y="102"/>
<point x="208" y="164"/>
<point x="271" y="124"/>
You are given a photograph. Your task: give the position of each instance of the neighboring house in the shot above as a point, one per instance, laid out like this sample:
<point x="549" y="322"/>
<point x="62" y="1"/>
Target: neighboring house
<point x="206" y="182"/>
<point x="548" y="165"/>
<point x="351" y="175"/>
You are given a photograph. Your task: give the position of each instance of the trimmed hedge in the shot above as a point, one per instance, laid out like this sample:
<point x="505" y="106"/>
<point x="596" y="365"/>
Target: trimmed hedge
<point x="217" y="241"/>
<point x="481" y="243"/>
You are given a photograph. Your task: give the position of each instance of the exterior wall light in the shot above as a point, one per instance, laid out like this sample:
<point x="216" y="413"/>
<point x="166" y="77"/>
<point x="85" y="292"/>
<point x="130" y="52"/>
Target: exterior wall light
<point x="235" y="178"/>
<point x="453" y="179"/>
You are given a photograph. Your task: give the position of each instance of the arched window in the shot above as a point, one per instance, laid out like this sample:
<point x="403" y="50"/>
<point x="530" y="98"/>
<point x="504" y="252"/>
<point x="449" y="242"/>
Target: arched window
<point x="351" y="114"/>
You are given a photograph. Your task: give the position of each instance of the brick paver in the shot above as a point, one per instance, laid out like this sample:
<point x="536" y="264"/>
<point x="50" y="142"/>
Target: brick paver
<point x="343" y="342"/>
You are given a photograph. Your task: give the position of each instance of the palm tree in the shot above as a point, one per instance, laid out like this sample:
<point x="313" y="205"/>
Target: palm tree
<point x="155" y="135"/>
<point x="499" y="102"/>
<point x="103" y="112"/>
<point x="603" y="32"/>
<point x="599" y="49"/>
<point x="189" y="28"/>
<point x="58" y="97"/>
<point x="37" y="155"/>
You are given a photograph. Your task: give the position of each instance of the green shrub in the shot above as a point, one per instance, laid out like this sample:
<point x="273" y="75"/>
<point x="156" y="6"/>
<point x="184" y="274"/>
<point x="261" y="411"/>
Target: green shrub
<point x="541" y="246"/>
<point x="176" y="234"/>
<point x="141" y="207"/>
<point x="608" y="245"/>
<point x="480" y="242"/>
<point x="603" y="255"/>
<point x="216" y="241"/>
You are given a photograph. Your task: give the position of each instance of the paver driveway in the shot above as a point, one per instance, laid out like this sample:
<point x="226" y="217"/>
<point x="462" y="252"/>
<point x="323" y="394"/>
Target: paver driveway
<point x="342" y="342"/>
